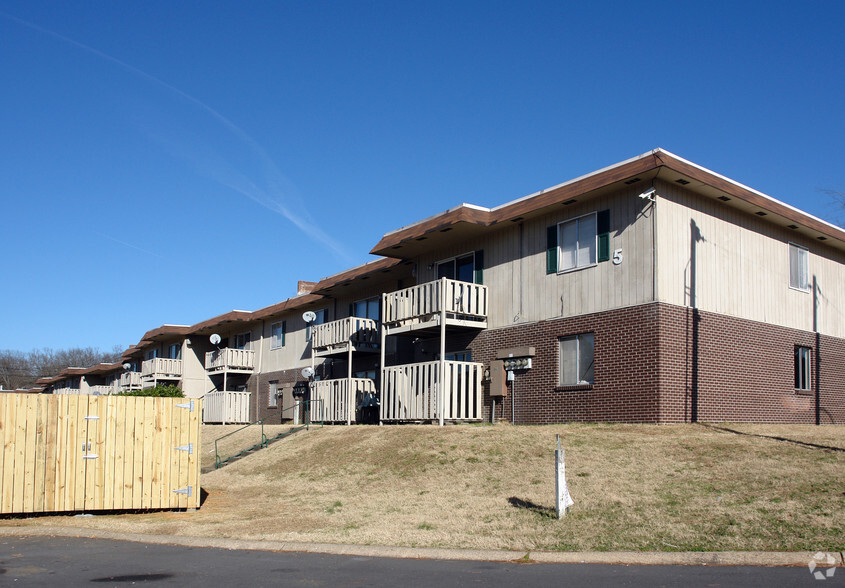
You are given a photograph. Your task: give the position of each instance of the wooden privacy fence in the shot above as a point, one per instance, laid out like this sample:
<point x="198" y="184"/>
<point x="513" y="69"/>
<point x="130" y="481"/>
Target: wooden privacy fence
<point x="86" y="453"/>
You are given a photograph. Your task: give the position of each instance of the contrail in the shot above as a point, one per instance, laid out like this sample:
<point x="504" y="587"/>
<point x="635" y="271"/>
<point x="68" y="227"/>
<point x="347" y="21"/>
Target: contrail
<point x="130" y="245"/>
<point x="261" y="197"/>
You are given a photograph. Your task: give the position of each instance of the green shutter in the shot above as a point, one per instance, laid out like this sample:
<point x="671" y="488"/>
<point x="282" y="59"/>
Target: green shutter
<point x="479" y="267"/>
<point x="551" y="249"/>
<point x="603" y="231"/>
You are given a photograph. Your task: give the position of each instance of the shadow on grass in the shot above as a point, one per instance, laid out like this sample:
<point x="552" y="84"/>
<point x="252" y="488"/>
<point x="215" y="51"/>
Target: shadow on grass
<point x="543" y="511"/>
<point x="774" y="438"/>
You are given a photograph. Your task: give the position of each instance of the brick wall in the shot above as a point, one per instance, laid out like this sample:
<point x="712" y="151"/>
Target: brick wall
<point x="741" y="370"/>
<point x="659" y="363"/>
<point x="625" y="369"/>
<point x="260" y="389"/>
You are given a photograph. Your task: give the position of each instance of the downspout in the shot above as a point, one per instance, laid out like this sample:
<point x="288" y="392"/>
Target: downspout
<point x="817" y="354"/>
<point x="260" y="368"/>
<point x="349" y="395"/>
<point x="382" y="380"/>
<point x="521" y="264"/>
<point x="442" y="378"/>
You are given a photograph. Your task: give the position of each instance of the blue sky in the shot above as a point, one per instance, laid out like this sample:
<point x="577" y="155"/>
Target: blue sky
<point x="166" y="162"/>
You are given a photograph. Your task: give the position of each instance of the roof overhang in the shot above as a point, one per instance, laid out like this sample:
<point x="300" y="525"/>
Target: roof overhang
<point x="379" y="269"/>
<point x="466" y="221"/>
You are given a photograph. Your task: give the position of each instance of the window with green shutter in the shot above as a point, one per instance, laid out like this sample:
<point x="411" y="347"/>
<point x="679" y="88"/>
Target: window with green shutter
<point x="578" y="243"/>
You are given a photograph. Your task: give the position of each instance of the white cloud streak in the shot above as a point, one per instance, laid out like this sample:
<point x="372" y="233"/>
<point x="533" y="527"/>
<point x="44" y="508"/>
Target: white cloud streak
<point x="130" y="245"/>
<point x="248" y="189"/>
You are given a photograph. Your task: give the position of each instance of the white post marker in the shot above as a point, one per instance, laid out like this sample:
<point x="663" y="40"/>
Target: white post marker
<point x="562" y="498"/>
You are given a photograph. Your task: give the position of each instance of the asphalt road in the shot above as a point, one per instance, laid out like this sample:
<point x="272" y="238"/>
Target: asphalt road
<point x="62" y="561"/>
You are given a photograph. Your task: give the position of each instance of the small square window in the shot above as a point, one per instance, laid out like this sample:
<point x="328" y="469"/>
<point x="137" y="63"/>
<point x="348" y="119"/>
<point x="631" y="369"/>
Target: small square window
<point x="576" y="360"/>
<point x="803" y="368"/>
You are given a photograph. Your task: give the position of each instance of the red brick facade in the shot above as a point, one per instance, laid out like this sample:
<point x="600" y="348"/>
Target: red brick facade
<point x="655" y="364"/>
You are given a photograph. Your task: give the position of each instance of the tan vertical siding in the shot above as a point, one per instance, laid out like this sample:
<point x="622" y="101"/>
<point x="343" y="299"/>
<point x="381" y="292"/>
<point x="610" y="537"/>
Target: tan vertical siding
<point x="520" y="290"/>
<point x="742" y="264"/>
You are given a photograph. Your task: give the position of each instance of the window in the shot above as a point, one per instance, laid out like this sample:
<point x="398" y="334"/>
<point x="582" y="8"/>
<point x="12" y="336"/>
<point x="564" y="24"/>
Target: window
<point x="152" y="353"/>
<point x="322" y="314"/>
<point x="242" y="340"/>
<point x="277" y="334"/>
<point x="368" y="308"/>
<point x="459" y="356"/>
<point x="464" y="268"/>
<point x="577" y="243"/>
<point x="799" y="268"/>
<point x="802" y="368"/>
<point x="174" y="351"/>
<point x="273" y="394"/>
<point x="576" y="360"/>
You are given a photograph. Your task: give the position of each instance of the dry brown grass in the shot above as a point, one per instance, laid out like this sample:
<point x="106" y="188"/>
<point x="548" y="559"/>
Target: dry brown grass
<point x="636" y="487"/>
<point x="233" y="439"/>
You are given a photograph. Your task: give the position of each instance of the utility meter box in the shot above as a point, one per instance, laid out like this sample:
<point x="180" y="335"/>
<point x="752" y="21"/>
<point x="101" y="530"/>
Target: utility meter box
<point x="498" y="381"/>
<point x="516" y="358"/>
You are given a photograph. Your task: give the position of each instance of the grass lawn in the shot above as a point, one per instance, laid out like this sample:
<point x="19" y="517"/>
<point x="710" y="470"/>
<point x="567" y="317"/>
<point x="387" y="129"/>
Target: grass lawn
<point x="636" y="487"/>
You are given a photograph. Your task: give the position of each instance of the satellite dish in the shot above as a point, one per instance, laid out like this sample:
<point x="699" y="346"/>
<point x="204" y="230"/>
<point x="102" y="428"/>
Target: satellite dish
<point x="215" y="339"/>
<point x="307" y="372"/>
<point x="127" y="366"/>
<point x="309" y="316"/>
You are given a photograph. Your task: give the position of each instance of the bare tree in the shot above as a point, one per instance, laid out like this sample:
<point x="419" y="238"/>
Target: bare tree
<point x="21" y="370"/>
<point x="838" y="199"/>
<point x="14" y="370"/>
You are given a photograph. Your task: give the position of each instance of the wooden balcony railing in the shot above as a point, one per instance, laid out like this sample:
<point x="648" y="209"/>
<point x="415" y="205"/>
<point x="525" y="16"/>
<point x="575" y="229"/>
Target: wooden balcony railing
<point x="161" y="368"/>
<point x="228" y="359"/>
<point x="340" y="398"/>
<point x="130" y="380"/>
<point x="66" y="390"/>
<point x="101" y="390"/>
<point x="226" y="407"/>
<point x="411" y="392"/>
<point x="459" y="299"/>
<point x="358" y="331"/>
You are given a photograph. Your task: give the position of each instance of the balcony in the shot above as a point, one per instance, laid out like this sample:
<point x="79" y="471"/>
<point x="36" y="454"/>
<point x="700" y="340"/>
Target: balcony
<point x="230" y="360"/>
<point x="65" y="390"/>
<point x="226" y="407"/>
<point x="161" y="368"/>
<point x="443" y="303"/>
<point x="340" y="399"/>
<point x="412" y="392"/>
<point x="130" y="381"/>
<point x="341" y="335"/>
<point x="101" y="390"/>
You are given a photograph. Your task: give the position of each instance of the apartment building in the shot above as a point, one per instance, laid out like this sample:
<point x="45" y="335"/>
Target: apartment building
<point x="653" y="290"/>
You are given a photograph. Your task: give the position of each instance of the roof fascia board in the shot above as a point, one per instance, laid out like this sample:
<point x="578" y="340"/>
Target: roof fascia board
<point x="608" y="175"/>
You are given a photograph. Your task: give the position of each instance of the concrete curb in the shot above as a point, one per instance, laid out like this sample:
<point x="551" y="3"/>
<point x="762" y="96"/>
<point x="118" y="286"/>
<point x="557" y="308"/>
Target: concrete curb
<point x="716" y="558"/>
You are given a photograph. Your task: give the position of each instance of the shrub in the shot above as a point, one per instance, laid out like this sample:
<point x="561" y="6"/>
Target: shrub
<point x="168" y="391"/>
